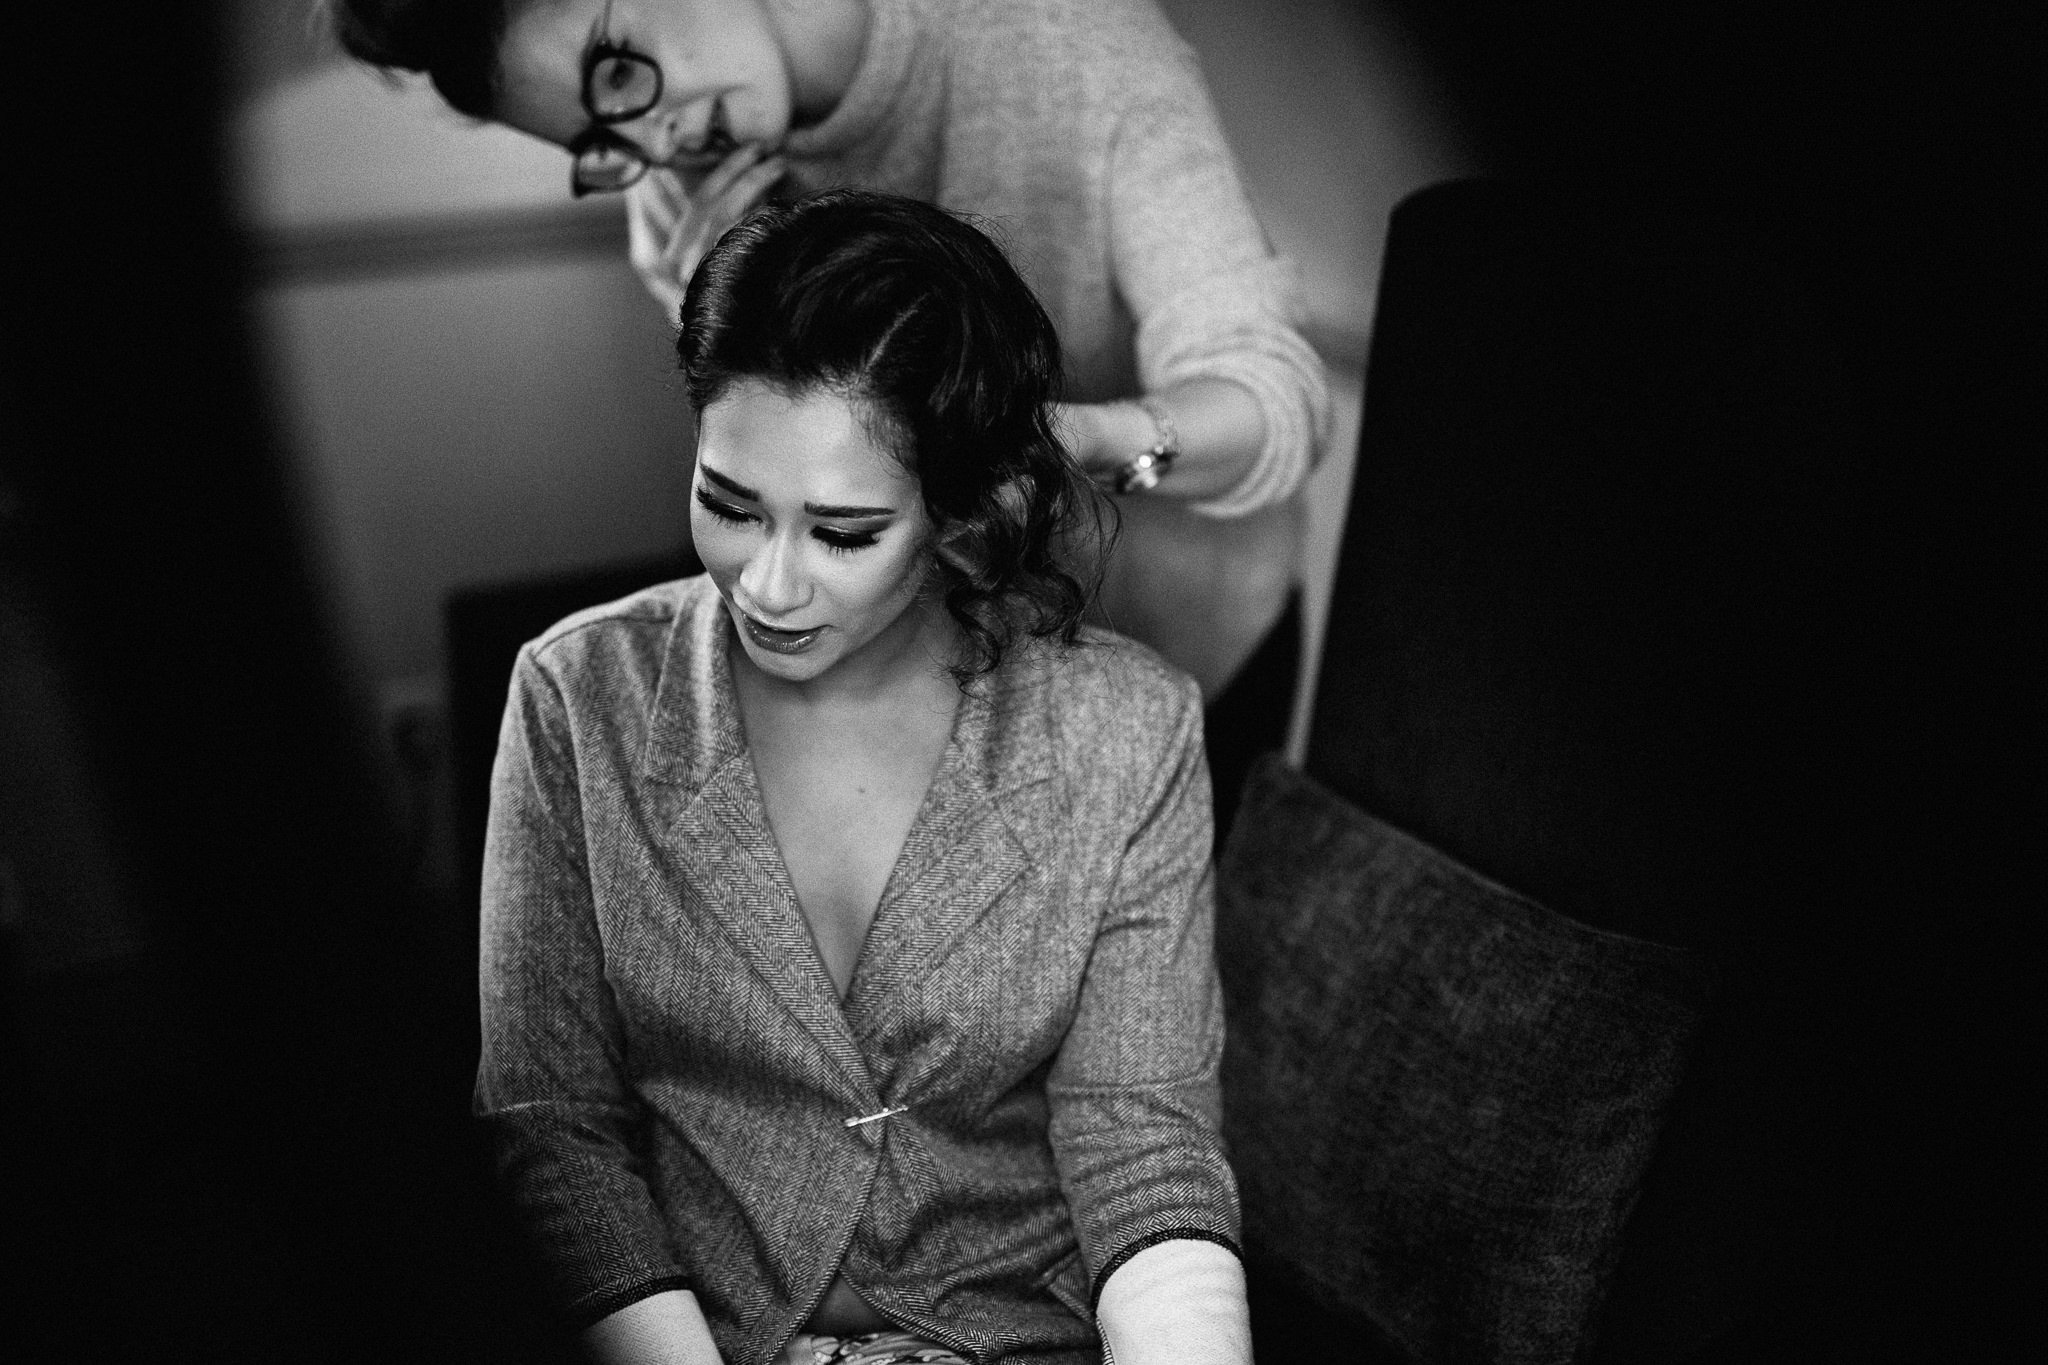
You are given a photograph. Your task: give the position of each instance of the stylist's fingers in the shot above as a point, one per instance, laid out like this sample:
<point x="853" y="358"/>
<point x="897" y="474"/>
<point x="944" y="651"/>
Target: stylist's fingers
<point x="722" y="200"/>
<point x="749" y="188"/>
<point x="674" y="190"/>
<point x="744" y="159"/>
<point x="658" y="199"/>
<point x="673" y="222"/>
<point x="651" y="216"/>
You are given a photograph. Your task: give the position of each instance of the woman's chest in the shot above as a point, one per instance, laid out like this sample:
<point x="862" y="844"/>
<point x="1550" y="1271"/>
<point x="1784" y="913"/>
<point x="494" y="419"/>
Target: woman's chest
<point x="973" y="948"/>
<point x="840" y="832"/>
<point x="840" y="807"/>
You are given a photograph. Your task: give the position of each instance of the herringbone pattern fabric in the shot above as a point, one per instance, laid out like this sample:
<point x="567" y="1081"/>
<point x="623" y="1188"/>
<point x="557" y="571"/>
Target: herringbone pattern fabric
<point x="669" y="1074"/>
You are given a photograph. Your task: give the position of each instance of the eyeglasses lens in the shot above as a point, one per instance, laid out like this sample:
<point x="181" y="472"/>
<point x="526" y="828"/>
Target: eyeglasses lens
<point x="602" y="167"/>
<point x="622" y="85"/>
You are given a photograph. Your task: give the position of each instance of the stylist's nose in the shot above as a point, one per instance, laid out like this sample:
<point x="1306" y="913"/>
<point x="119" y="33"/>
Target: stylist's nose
<point x="654" y="133"/>
<point x="659" y="132"/>
<point x="773" y="580"/>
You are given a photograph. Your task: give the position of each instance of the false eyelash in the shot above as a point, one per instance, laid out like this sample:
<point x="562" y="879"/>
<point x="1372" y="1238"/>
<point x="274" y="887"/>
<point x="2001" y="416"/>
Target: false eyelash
<point x="838" y="542"/>
<point x="844" y="542"/>
<point x="724" y="511"/>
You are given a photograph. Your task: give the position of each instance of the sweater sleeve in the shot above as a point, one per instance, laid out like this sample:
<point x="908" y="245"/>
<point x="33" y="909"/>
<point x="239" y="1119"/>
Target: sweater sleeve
<point x="1210" y="297"/>
<point x="1134" y="1094"/>
<point x="551" y="1086"/>
<point x="1180" y="1302"/>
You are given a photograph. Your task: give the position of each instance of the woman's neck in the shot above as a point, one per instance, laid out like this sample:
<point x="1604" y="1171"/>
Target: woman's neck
<point x="824" y="41"/>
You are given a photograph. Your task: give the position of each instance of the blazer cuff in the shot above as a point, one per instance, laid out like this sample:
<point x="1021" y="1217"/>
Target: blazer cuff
<point x="606" y="1302"/>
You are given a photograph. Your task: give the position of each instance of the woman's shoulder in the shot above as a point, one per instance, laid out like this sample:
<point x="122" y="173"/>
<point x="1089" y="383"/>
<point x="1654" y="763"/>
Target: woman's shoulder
<point x="632" y="633"/>
<point x="1106" y="718"/>
<point x="1106" y="684"/>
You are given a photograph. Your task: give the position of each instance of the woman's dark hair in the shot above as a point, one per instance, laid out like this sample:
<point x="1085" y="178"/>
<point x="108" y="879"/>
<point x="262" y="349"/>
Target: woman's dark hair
<point x="454" y="41"/>
<point x="919" y="320"/>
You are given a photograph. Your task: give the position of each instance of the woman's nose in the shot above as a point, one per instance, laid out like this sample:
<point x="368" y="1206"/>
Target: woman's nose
<point x="773" y="579"/>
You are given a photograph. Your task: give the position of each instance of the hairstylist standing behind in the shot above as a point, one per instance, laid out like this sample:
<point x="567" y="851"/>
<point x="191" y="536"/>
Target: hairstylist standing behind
<point x="1080" y="130"/>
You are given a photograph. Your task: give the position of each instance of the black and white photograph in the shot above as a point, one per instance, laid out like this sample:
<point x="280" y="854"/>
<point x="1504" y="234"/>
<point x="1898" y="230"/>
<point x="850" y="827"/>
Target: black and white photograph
<point x="1020" y="682"/>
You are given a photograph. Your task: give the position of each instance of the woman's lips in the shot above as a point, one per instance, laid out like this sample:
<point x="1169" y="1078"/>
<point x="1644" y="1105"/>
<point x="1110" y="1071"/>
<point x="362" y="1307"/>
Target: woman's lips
<point x="779" y="641"/>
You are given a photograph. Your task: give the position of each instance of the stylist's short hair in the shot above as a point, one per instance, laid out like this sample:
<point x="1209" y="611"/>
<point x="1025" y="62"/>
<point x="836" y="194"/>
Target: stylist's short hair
<point x="920" y="321"/>
<point x="455" y="42"/>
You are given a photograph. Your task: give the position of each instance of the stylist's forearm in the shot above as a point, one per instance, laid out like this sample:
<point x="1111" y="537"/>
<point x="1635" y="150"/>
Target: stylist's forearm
<point x="1219" y="424"/>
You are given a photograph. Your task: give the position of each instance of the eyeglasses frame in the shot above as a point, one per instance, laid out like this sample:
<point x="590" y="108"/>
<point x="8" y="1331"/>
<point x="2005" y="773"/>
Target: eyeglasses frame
<point x="598" y="134"/>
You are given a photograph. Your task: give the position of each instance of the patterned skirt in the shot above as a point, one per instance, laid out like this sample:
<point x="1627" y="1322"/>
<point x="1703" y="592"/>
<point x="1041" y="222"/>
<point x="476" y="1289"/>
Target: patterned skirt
<point x="869" y="1348"/>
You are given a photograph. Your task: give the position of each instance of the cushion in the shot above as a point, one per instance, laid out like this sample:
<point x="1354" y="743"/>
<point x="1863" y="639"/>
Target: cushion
<point x="1440" y="1095"/>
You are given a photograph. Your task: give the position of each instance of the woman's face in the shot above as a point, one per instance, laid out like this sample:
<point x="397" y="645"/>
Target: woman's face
<point x="815" y="536"/>
<point x="725" y="75"/>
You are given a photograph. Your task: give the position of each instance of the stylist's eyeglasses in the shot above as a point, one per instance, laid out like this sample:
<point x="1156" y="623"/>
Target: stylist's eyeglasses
<point x="618" y="86"/>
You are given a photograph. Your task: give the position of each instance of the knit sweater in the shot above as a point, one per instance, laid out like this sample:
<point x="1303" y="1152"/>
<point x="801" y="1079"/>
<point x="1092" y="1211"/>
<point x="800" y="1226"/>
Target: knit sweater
<point x="1081" y="133"/>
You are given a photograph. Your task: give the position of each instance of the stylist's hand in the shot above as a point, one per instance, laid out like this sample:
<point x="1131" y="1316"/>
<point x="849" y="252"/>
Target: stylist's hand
<point x="672" y="221"/>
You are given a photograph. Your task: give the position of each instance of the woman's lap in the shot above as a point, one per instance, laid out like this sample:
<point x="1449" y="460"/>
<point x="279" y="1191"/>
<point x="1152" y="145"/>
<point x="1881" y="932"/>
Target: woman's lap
<point x="870" y="1348"/>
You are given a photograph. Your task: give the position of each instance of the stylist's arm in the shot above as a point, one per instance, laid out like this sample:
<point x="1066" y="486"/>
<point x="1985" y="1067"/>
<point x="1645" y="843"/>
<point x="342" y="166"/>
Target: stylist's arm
<point x="1214" y="426"/>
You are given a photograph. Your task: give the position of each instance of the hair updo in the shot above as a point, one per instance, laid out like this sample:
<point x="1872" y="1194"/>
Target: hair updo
<point x="920" y="321"/>
<point x="454" y="41"/>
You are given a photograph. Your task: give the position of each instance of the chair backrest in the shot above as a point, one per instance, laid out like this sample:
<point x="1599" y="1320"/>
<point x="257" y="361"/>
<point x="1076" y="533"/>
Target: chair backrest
<point x="1583" y="644"/>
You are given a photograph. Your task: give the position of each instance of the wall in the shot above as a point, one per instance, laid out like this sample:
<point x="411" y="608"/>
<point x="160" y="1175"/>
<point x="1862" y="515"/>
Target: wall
<point x="471" y="382"/>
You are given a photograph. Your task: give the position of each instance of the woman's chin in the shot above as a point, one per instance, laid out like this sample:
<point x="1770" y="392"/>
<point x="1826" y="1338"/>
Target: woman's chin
<point x="794" y="668"/>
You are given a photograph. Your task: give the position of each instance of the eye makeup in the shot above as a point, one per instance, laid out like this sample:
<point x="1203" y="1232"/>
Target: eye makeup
<point x="838" y="539"/>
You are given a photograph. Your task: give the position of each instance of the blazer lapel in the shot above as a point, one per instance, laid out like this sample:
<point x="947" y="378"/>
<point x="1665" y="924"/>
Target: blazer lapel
<point x="718" y="834"/>
<point x="960" y="857"/>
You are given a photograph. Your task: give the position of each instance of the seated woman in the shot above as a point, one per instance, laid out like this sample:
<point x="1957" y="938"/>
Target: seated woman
<point x="847" y="977"/>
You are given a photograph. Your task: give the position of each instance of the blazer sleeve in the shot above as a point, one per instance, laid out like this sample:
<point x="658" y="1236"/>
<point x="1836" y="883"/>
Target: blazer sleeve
<point x="552" y="1086"/>
<point x="1134" y="1094"/>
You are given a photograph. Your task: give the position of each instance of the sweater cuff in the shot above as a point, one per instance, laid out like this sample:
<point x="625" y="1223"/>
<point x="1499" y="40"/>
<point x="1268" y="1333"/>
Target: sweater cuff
<point x="1177" y="1302"/>
<point x="1153" y="1239"/>
<point x="1243" y="328"/>
<point x="1296" y="420"/>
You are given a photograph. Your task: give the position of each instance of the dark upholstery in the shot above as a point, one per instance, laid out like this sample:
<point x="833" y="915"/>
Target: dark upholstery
<point x="1587" y="639"/>
<point x="1440" y="1094"/>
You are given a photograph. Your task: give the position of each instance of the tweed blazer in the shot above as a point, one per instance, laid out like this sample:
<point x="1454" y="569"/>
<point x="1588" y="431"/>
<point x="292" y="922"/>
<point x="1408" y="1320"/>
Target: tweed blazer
<point x="671" y="1080"/>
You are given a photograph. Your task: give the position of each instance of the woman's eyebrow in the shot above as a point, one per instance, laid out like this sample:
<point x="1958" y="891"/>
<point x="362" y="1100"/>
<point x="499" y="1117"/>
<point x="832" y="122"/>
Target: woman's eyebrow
<point x="820" y="509"/>
<point x="816" y="509"/>
<point x="732" y="486"/>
